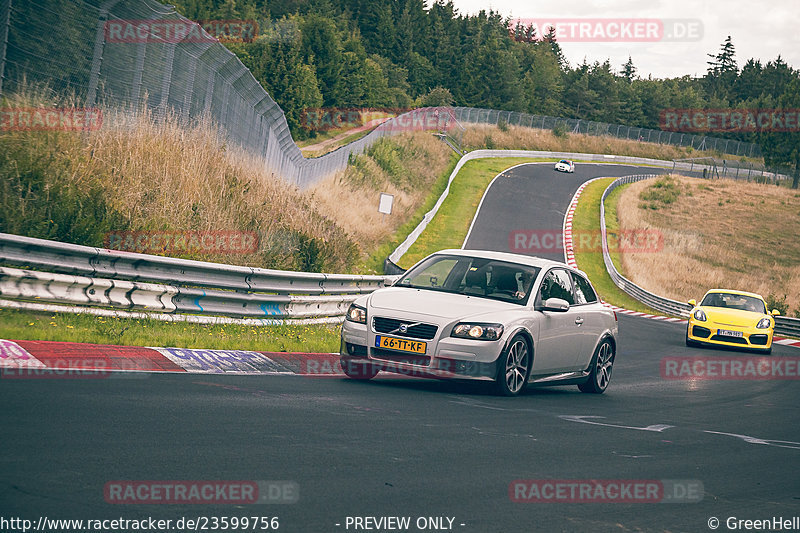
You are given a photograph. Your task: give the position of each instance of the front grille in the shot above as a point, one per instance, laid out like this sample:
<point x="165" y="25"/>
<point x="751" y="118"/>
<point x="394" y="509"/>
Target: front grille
<point x="699" y="331"/>
<point x="726" y="338"/>
<point x="759" y="340"/>
<point x="392" y="325"/>
<point x="400" y="357"/>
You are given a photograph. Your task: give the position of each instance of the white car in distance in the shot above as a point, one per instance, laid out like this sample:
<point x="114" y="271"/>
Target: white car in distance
<point x="482" y="315"/>
<point x="565" y="165"/>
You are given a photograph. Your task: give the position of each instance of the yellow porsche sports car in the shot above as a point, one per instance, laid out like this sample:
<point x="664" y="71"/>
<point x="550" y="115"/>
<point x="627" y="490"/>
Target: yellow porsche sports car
<point x="731" y="318"/>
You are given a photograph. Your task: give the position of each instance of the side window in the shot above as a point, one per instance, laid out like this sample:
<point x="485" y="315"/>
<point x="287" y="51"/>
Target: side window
<point x="583" y="290"/>
<point x="557" y="284"/>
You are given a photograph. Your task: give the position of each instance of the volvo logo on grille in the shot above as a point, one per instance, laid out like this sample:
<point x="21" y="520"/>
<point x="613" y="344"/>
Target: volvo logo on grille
<point x="403" y="328"/>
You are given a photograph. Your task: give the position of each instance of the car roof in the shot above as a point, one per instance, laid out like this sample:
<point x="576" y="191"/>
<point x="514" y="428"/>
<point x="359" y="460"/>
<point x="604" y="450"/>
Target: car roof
<point x="509" y="257"/>
<point x="731" y="291"/>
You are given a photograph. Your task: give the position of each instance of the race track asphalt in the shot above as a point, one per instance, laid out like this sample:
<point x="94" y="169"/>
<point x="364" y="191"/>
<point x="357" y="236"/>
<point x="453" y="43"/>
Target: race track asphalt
<point x="418" y="448"/>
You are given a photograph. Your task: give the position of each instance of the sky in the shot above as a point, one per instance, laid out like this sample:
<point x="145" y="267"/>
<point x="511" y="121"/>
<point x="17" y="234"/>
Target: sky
<point x="761" y="30"/>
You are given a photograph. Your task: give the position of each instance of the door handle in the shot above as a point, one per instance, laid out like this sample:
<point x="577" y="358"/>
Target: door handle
<point x="579" y="321"/>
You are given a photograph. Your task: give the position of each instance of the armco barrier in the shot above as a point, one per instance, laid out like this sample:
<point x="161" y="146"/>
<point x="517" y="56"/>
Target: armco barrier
<point x="665" y="305"/>
<point x="783" y="325"/>
<point x="97" y="277"/>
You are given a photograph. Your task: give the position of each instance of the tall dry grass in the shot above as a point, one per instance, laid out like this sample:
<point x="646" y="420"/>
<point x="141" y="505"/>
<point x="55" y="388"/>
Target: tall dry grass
<point x="717" y="234"/>
<point x="142" y="173"/>
<point x="405" y="167"/>
<point x="520" y="138"/>
<point x="165" y="175"/>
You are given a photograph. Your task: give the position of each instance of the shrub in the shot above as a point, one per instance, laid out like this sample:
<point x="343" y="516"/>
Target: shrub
<point x="664" y="191"/>
<point x="773" y="302"/>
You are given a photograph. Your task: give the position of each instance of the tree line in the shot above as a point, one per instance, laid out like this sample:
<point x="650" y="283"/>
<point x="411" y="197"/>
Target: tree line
<point x="398" y="53"/>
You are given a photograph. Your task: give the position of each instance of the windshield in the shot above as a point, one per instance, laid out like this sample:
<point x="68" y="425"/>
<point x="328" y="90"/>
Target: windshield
<point x="565" y="161"/>
<point x="473" y="276"/>
<point x="734" y="301"/>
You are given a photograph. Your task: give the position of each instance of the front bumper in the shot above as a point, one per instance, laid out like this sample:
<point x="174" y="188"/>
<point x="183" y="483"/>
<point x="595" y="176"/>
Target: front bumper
<point x="707" y="333"/>
<point x="445" y="357"/>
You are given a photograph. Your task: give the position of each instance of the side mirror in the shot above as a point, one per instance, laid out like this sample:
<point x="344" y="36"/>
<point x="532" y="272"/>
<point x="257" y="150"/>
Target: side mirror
<point x="775" y="312"/>
<point x="693" y="303"/>
<point x="555" y="304"/>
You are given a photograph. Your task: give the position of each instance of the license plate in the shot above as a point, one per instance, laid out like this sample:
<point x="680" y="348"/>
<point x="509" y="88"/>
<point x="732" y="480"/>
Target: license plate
<point x="401" y="345"/>
<point x="729" y="333"/>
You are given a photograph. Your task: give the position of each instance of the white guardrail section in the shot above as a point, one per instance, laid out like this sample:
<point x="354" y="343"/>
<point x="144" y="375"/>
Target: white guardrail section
<point x="783" y="325"/>
<point x="166" y="288"/>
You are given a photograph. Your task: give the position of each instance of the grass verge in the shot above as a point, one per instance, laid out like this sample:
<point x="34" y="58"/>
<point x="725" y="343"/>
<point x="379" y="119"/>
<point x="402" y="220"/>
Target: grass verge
<point x="374" y="263"/>
<point x="716" y="233"/>
<point x="587" y="220"/>
<point x="449" y="227"/>
<point x="68" y="327"/>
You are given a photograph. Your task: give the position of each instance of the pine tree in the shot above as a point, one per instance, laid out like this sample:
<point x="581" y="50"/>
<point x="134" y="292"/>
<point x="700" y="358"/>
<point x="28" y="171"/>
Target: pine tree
<point x="629" y="70"/>
<point x="722" y="71"/>
<point x="725" y="60"/>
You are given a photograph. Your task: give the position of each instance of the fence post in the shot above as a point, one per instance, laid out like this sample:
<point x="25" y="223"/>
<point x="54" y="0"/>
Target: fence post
<point x="6" y="17"/>
<point x="138" y="72"/>
<point x="187" y="95"/>
<point x="166" y="81"/>
<point x="97" y="57"/>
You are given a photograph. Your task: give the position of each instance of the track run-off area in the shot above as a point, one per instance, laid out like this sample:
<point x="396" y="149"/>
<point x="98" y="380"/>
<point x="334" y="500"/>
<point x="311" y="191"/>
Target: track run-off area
<point x="451" y="453"/>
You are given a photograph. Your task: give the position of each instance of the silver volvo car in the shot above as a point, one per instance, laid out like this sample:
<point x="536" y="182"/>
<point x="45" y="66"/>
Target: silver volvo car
<point x="466" y="314"/>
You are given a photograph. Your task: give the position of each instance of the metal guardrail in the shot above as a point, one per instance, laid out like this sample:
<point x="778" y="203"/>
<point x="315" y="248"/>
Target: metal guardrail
<point x="783" y="325"/>
<point x="83" y="275"/>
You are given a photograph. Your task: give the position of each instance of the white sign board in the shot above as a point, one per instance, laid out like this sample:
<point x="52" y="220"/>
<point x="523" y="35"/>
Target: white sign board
<point x="385" y="205"/>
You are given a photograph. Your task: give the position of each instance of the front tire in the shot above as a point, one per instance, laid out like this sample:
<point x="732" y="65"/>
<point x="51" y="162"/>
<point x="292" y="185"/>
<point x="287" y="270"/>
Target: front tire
<point x="690" y="343"/>
<point x="513" y="367"/>
<point x="602" y="364"/>
<point x="359" y="371"/>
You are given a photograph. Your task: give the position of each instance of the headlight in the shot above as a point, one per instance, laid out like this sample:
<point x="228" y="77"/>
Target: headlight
<point x="700" y="315"/>
<point x="764" y="323"/>
<point x="481" y="331"/>
<point x="356" y="314"/>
